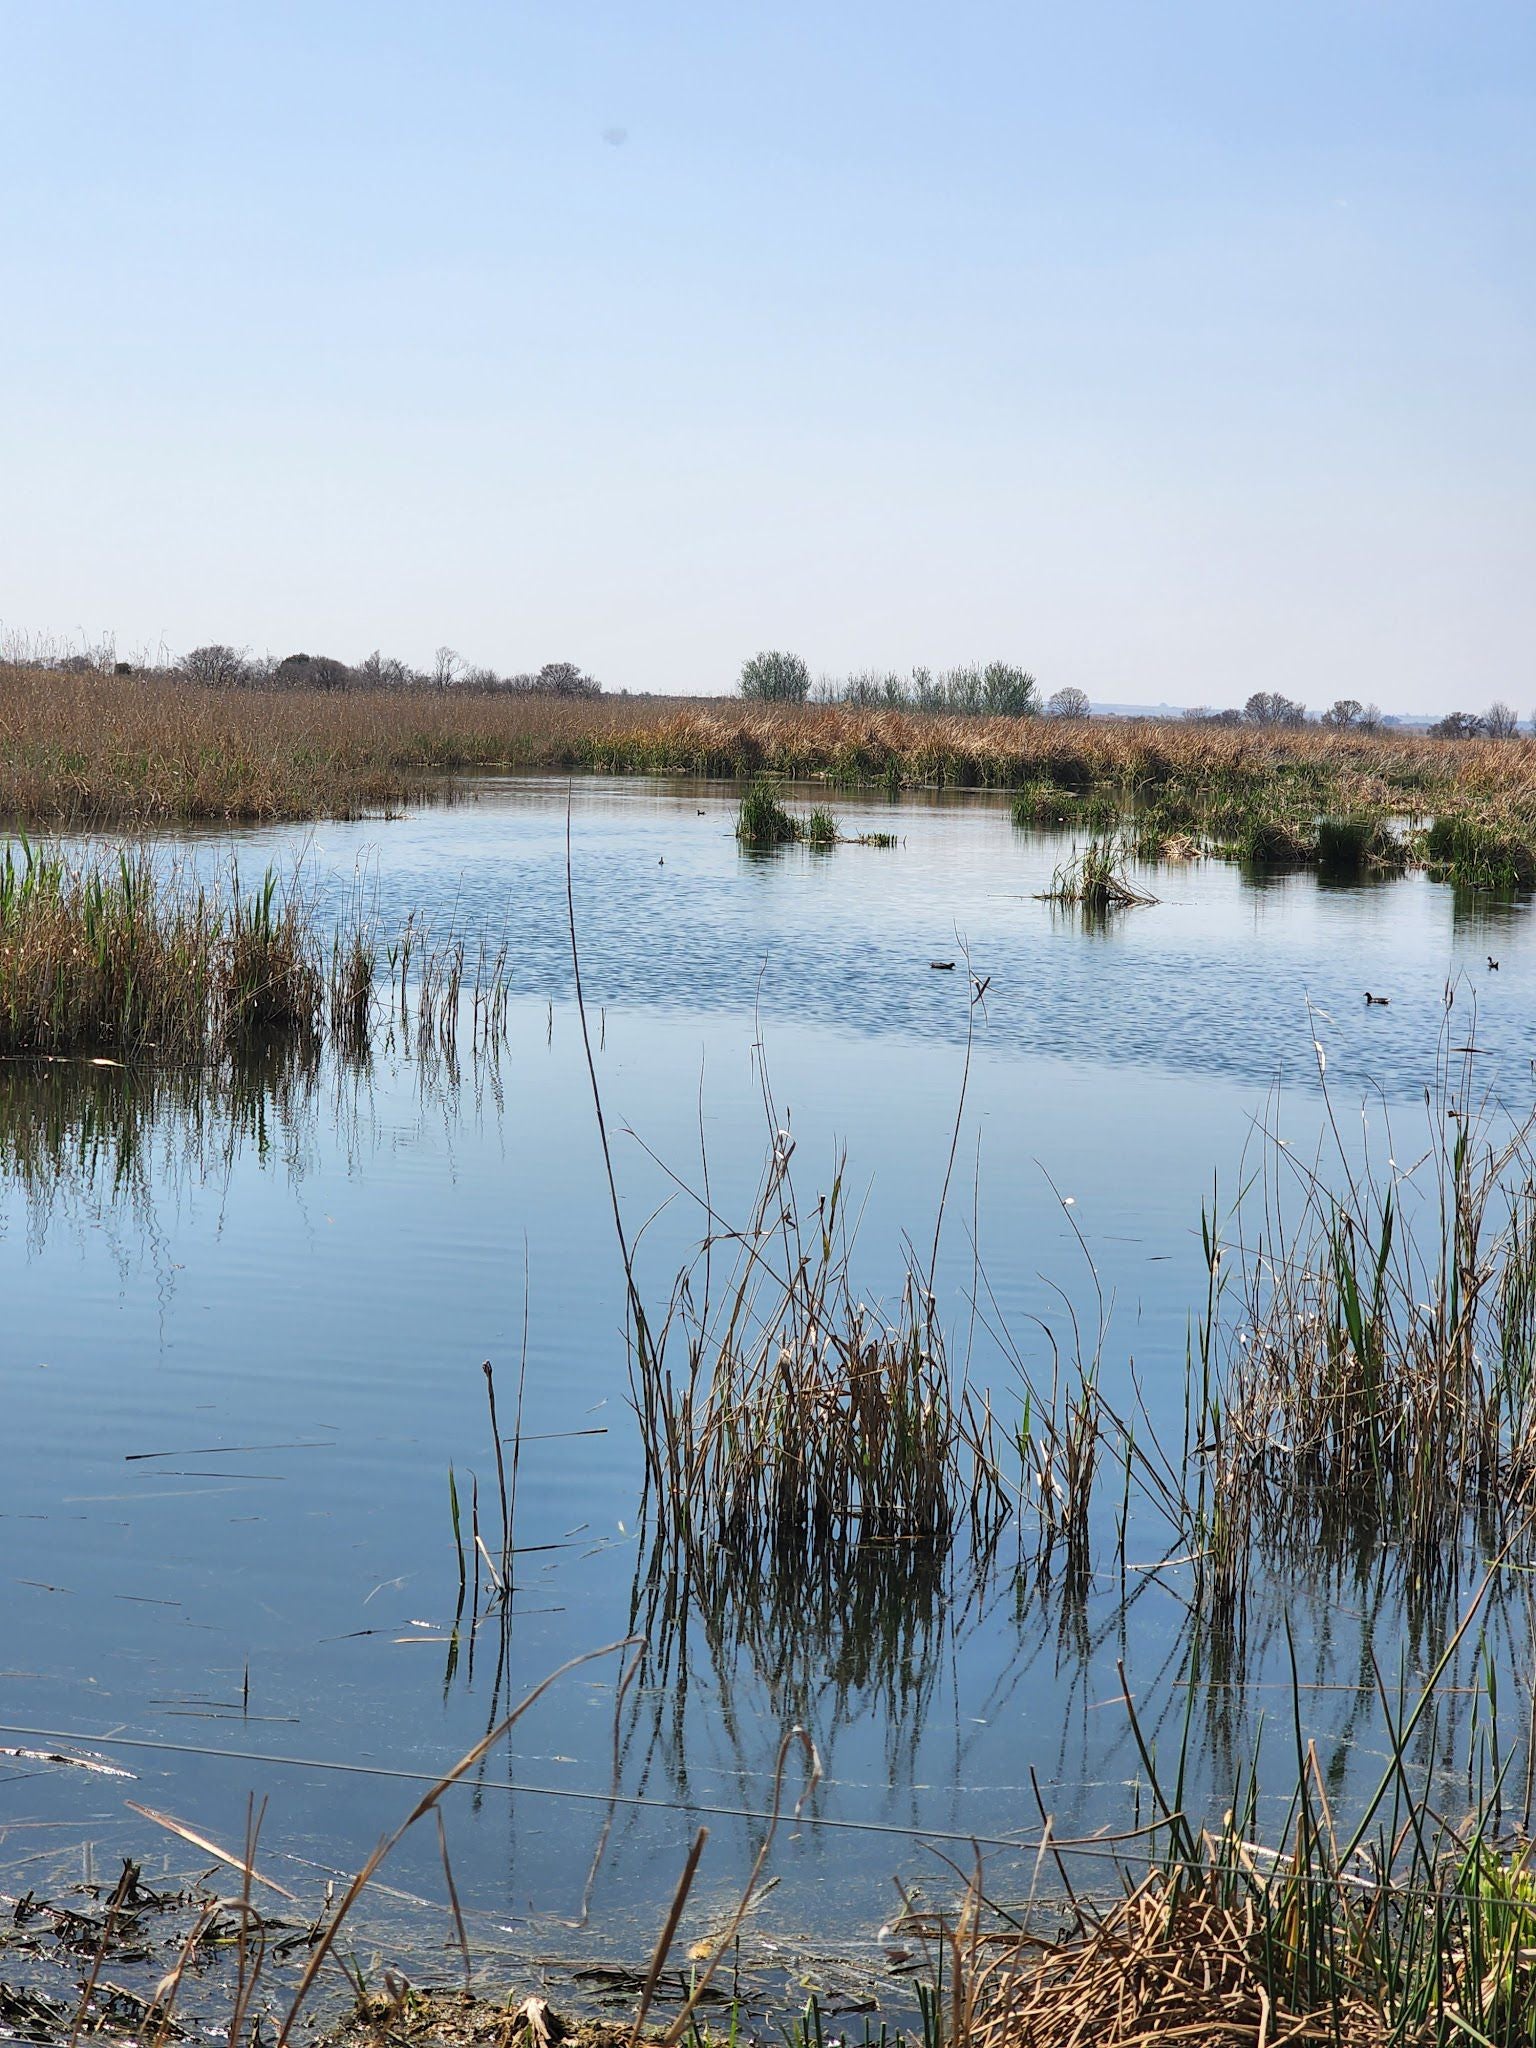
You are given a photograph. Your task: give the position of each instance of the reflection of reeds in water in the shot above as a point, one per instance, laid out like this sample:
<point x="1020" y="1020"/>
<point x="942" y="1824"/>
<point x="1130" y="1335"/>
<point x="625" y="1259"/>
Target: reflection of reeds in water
<point x="872" y="1634"/>
<point x="79" y="1132"/>
<point x="1394" y="1927"/>
<point x="89" y="1135"/>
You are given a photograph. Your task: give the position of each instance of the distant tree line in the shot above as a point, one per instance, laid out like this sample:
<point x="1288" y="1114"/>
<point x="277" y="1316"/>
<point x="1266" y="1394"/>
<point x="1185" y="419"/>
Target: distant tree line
<point x="1498" y="722"/>
<point x="218" y="667"/>
<point x="1348" y="714"/>
<point x="1270" y="708"/>
<point x="993" y="689"/>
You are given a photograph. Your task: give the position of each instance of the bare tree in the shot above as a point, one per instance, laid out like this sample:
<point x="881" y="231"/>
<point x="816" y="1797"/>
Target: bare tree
<point x="1069" y="703"/>
<point x="445" y="667"/>
<point x="1268" y="707"/>
<point x="378" y="671"/>
<point x="216" y="666"/>
<point x="1343" y="713"/>
<point x="1501" y="720"/>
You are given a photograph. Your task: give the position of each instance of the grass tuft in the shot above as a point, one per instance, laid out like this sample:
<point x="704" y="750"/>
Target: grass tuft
<point x="762" y="820"/>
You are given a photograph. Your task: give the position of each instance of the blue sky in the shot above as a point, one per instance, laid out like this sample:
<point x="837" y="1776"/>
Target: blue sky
<point x="1173" y="350"/>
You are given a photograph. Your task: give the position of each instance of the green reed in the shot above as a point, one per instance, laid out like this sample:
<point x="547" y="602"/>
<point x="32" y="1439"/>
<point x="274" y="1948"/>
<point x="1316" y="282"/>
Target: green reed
<point x="763" y="822"/>
<point x="121" y="955"/>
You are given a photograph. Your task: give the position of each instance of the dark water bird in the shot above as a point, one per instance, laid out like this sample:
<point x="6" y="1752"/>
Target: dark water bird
<point x="941" y="964"/>
<point x="1377" y="999"/>
<point x="662" y="862"/>
<point x="1493" y="965"/>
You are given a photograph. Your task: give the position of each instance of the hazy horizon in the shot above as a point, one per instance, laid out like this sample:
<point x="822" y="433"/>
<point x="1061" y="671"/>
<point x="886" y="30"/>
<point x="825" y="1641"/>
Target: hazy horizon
<point x="1173" y="354"/>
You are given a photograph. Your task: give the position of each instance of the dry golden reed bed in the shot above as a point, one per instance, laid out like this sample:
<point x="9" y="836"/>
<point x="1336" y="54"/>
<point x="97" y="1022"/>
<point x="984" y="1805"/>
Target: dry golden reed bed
<point x="82" y="750"/>
<point x="107" y="750"/>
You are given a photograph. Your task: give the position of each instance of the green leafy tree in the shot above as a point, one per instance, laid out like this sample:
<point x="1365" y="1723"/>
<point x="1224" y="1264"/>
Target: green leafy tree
<point x="775" y="678"/>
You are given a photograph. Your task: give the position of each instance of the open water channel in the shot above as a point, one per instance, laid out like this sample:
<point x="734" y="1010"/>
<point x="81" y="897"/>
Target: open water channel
<point x="241" y="1343"/>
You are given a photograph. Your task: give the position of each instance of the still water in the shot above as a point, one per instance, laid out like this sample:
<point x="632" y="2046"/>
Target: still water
<point x="243" y="1336"/>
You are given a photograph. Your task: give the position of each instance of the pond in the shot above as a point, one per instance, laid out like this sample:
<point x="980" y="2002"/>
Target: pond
<point x="245" y="1329"/>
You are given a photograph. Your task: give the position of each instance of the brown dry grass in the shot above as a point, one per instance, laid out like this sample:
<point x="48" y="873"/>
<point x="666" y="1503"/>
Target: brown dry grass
<point x="93" y="748"/>
<point x="1388" y="770"/>
<point x="99" y="750"/>
<point x="1167" y="1964"/>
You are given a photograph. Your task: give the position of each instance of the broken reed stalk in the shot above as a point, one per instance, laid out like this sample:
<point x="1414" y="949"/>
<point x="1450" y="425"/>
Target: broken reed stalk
<point x="1095" y="879"/>
<point x="501" y="1480"/>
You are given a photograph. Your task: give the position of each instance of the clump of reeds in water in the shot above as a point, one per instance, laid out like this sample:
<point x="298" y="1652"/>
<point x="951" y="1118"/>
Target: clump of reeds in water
<point x="801" y="1420"/>
<point x="1492" y="847"/>
<point x="764" y="822"/>
<point x="1381" y="1362"/>
<point x="449" y="993"/>
<point x="1096" y="879"/>
<point x="115" y="955"/>
<point x="129" y="957"/>
<point x="1348" y="847"/>
<point x="1056" y="804"/>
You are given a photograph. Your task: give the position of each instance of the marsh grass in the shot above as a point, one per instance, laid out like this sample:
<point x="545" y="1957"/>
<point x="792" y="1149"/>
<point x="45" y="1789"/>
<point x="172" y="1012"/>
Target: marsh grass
<point x="763" y="822"/>
<point x="800" y="1421"/>
<point x="89" y="749"/>
<point x="118" y="955"/>
<point x="1491" y="848"/>
<point x="1396" y="1925"/>
<point x="111" y="955"/>
<point x="1381" y="1330"/>
<point x="1350" y="847"/>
